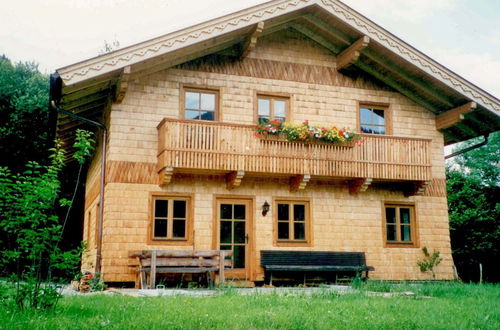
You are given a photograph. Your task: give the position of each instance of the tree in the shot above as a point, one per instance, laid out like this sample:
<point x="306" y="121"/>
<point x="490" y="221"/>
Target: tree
<point x="473" y="199"/>
<point x="30" y="230"/>
<point x="25" y="131"/>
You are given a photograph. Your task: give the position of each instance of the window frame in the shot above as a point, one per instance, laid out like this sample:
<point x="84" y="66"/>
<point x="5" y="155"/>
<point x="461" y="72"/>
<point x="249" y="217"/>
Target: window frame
<point x="272" y="96"/>
<point x="376" y="106"/>
<point x="199" y="89"/>
<point x="413" y="225"/>
<point x="307" y="227"/>
<point x="188" y="239"/>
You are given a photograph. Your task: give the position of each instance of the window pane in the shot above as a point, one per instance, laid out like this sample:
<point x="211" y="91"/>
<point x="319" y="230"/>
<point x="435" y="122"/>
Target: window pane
<point x="390" y="214"/>
<point x="264" y="106"/>
<point x="366" y="129"/>
<point x="239" y="232"/>
<point x="160" y="228"/>
<point x="239" y="256"/>
<point x="378" y="129"/>
<point x="279" y="108"/>
<point x="365" y="115"/>
<point x="299" y="231"/>
<point x="180" y="209"/>
<point x="263" y="119"/>
<point x="207" y="102"/>
<point x="283" y="212"/>
<point x="192" y="100"/>
<point x="190" y="114"/>
<point x="281" y="119"/>
<point x="239" y="211"/>
<point x="207" y="115"/>
<point x="161" y="208"/>
<point x="404" y="215"/>
<point x="226" y="211"/>
<point x="226" y="233"/>
<point x="299" y="212"/>
<point x="378" y="117"/>
<point x="391" y="232"/>
<point x="179" y="229"/>
<point x="405" y="233"/>
<point x="283" y="230"/>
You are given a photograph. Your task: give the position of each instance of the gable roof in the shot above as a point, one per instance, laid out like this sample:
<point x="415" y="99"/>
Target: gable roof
<point x="91" y="85"/>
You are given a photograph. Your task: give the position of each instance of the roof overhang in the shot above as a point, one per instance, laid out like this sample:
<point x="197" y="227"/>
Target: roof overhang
<point x="89" y="86"/>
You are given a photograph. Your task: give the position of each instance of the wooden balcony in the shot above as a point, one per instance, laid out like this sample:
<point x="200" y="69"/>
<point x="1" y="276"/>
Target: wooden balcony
<point x="212" y="147"/>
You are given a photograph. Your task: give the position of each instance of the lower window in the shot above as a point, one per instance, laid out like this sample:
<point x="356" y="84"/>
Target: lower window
<point x="400" y="224"/>
<point x="292" y="221"/>
<point x="170" y="218"/>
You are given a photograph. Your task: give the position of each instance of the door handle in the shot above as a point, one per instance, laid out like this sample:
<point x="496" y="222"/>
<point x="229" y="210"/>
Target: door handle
<point x="246" y="238"/>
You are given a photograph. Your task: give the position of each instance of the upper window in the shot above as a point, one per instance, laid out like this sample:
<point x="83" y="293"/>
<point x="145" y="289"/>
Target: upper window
<point x="399" y="224"/>
<point x="292" y="221"/>
<point x="373" y="120"/>
<point x="200" y="104"/>
<point x="170" y="218"/>
<point x="271" y="108"/>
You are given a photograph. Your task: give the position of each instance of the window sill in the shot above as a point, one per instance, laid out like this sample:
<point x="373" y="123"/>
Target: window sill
<point x="400" y="245"/>
<point x="292" y="243"/>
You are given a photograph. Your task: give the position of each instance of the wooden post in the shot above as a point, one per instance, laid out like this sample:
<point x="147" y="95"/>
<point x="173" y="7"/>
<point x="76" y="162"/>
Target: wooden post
<point x="222" y="258"/>
<point x="480" y="273"/>
<point x="152" y="280"/>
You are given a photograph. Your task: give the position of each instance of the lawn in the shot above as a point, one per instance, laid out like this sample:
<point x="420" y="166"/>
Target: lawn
<point x="434" y="306"/>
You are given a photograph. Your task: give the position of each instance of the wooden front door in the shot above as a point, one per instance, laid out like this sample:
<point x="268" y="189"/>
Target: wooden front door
<point x="233" y="233"/>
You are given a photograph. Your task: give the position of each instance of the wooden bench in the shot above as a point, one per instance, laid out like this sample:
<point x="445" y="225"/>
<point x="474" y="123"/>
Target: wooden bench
<point x="312" y="261"/>
<point x="152" y="262"/>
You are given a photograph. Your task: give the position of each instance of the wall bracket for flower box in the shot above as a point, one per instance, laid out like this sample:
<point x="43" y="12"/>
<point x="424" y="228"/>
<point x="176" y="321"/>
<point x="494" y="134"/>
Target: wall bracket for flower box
<point x="359" y="185"/>
<point x="299" y="182"/>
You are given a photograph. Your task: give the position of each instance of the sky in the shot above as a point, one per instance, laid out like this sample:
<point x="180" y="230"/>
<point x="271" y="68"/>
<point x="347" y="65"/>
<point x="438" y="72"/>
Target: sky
<point x="463" y="35"/>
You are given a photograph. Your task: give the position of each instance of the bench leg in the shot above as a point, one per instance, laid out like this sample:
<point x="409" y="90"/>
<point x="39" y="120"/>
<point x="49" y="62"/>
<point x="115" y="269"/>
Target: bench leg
<point x="142" y="276"/>
<point x="210" y="278"/>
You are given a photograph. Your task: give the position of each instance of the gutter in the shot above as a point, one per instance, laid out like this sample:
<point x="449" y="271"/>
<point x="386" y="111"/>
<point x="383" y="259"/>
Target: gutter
<point x="55" y="99"/>
<point x="480" y="144"/>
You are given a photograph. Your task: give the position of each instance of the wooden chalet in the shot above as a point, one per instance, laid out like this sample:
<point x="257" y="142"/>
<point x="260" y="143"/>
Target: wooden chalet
<point x="181" y="168"/>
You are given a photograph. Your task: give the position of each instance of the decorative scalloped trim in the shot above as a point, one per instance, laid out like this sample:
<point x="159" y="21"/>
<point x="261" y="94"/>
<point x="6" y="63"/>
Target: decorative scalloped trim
<point x="163" y="45"/>
<point x="364" y="25"/>
<point x="410" y="54"/>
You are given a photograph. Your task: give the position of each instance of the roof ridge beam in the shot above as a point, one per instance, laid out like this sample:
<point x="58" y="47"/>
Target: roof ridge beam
<point x="350" y="55"/>
<point x="454" y="116"/>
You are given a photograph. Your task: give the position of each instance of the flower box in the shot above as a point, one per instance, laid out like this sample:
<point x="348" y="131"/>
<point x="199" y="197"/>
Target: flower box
<point x="282" y="138"/>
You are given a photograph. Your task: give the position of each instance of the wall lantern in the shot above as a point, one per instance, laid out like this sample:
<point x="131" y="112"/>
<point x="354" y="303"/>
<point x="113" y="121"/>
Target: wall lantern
<point x="265" y="208"/>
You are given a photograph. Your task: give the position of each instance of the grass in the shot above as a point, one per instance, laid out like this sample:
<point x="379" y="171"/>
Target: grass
<point x="434" y="306"/>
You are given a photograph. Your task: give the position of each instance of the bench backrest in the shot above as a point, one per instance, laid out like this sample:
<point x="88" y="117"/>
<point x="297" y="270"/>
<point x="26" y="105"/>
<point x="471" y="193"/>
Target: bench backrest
<point x="183" y="258"/>
<point x="312" y="258"/>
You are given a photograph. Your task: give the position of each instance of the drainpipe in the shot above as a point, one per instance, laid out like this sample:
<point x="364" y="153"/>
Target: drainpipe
<point x="480" y="144"/>
<point x="55" y="96"/>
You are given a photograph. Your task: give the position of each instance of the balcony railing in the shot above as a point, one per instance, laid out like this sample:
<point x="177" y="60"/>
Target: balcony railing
<point x="227" y="147"/>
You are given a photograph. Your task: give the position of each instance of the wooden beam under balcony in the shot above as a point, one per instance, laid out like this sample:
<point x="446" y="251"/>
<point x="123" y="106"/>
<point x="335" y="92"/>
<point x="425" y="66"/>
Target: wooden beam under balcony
<point x="233" y="179"/>
<point x="299" y="182"/>
<point x="359" y="185"/>
<point x="251" y="41"/>
<point x="350" y="55"/>
<point x="166" y="175"/>
<point x="416" y="188"/>
<point x="454" y="116"/>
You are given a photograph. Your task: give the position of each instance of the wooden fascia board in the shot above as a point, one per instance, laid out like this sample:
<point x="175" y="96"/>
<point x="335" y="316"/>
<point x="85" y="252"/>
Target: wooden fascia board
<point x="454" y="116"/>
<point x="180" y="39"/>
<point x="350" y="55"/>
<point x="411" y="55"/>
<point x="251" y="41"/>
